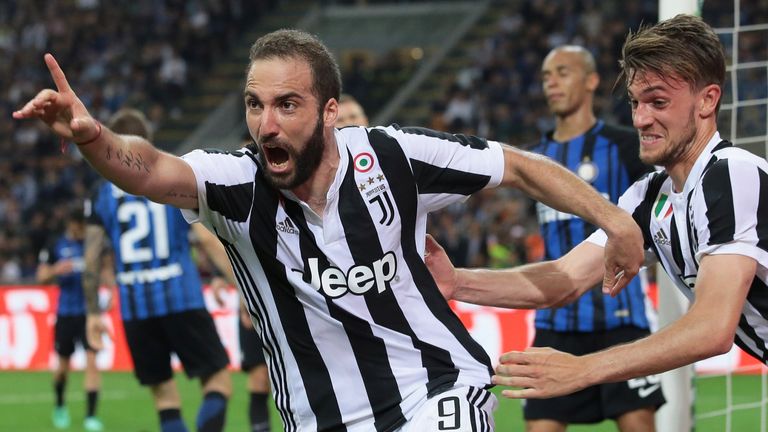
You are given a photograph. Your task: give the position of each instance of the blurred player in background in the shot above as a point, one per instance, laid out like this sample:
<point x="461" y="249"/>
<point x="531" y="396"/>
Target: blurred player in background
<point x="351" y="113"/>
<point x="325" y="230"/>
<point x="606" y="157"/>
<point x="62" y="262"/>
<point x="161" y="296"/>
<point x="704" y="216"/>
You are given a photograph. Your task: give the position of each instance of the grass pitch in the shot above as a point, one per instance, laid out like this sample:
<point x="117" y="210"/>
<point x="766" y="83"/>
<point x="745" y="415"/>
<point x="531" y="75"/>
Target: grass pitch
<point x="26" y="401"/>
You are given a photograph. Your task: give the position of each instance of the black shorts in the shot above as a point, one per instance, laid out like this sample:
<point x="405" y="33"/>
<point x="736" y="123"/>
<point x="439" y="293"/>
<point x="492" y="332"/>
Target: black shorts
<point x="191" y="335"/>
<point x="597" y="403"/>
<point x="69" y="330"/>
<point x="250" y="347"/>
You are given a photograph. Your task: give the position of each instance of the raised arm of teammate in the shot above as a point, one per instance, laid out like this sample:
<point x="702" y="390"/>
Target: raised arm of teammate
<point x="132" y="163"/>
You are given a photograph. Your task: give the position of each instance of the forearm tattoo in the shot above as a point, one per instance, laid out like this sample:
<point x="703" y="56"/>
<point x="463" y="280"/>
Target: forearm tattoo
<point x="128" y="159"/>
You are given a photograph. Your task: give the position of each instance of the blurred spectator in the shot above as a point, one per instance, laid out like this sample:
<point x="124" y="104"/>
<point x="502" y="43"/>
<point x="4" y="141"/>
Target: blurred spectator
<point x="145" y="52"/>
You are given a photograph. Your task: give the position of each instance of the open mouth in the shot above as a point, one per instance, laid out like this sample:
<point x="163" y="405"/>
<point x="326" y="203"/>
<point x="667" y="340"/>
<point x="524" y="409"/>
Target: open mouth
<point x="276" y="157"/>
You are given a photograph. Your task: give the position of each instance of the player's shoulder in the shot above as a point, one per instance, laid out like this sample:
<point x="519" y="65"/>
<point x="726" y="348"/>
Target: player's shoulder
<point x="731" y="164"/>
<point x="411" y="133"/>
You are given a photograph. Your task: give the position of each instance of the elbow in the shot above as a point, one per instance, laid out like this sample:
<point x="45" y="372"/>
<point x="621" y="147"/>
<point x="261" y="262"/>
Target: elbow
<point x="720" y="344"/>
<point x="563" y="298"/>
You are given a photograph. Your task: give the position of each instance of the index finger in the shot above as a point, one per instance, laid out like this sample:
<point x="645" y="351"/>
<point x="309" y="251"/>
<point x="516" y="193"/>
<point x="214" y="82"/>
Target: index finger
<point x="62" y="85"/>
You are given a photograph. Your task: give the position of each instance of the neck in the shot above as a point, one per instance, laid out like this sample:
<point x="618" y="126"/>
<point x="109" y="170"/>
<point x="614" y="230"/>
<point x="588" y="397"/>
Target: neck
<point x="574" y="124"/>
<point x="681" y="168"/>
<point x="314" y="191"/>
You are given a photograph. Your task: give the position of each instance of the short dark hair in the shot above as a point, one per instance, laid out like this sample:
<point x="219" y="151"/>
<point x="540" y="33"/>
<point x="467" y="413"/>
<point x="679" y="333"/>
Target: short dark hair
<point x="129" y="121"/>
<point x="287" y="43"/>
<point x="684" y="46"/>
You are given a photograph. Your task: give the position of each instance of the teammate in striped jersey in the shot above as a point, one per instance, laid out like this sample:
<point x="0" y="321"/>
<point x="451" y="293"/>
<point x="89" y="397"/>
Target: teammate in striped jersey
<point x="325" y="231"/>
<point x="705" y="217"/>
<point x="62" y="261"/>
<point x="606" y="157"/>
<point x="161" y="298"/>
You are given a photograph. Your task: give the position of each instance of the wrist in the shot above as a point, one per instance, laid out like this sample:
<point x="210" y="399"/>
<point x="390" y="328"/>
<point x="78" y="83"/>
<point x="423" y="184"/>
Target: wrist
<point x="95" y="137"/>
<point x="617" y="222"/>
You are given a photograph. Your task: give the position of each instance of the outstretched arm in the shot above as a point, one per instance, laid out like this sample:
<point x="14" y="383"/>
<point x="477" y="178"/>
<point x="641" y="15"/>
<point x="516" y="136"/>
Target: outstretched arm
<point x="130" y="162"/>
<point x="538" y="285"/>
<point x="544" y="180"/>
<point x="707" y="329"/>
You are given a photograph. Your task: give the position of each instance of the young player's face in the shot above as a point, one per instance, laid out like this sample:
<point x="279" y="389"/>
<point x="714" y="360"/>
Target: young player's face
<point x="351" y="114"/>
<point x="663" y="114"/>
<point x="283" y="118"/>
<point x="566" y="82"/>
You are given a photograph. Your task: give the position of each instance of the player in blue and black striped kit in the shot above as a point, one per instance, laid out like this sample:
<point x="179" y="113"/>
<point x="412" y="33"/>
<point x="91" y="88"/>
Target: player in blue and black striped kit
<point x="62" y="261"/>
<point x="606" y="157"/>
<point x="161" y="298"/>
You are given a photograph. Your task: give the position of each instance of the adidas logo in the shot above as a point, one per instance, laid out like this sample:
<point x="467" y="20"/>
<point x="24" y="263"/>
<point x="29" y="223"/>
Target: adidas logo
<point x="661" y="238"/>
<point x="286" y="226"/>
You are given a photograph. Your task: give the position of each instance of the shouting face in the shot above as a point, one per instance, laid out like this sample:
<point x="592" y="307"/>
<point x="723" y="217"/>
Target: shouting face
<point x="285" y="119"/>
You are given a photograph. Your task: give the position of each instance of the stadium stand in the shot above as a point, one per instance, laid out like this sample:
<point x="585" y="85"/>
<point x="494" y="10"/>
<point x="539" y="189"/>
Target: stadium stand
<point x="143" y="53"/>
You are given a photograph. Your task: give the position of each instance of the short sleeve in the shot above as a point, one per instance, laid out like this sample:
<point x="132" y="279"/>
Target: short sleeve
<point x="448" y="168"/>
<point x="730" y="211"/>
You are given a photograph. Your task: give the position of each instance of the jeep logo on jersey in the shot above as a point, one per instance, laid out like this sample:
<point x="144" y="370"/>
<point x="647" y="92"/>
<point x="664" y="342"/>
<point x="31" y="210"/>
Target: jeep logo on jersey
<point x="358" y="280"/>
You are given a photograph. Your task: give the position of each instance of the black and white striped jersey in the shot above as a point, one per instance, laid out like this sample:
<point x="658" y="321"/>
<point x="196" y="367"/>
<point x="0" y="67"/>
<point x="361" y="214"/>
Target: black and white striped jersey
<point x="355" y="331"/>
<point x="723" y="209"/>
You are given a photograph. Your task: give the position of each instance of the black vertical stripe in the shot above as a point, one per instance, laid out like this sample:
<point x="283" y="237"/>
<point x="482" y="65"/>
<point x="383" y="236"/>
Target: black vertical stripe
<point x="368" y="349"/>
<point x="693" y="235"/>
<point x="757" y="297"/>
<point x="758" y="341"/>
<point x="762" y="211"/>
<point x="718" y="196"/>
<point x="674" y="242"/>
<point x="644" y="211"/>
<point x="471" y="399"/>
<point x="314" y="373"/>
<point x="440" y="367"/>
<point x="257" y="309"/>
<point x="564" y="237"/>
<point x="434" y="179"/>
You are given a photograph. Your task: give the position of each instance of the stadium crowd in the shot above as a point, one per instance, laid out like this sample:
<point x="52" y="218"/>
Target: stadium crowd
<point x="142" y="53"/>
<point x="499" y="96"/>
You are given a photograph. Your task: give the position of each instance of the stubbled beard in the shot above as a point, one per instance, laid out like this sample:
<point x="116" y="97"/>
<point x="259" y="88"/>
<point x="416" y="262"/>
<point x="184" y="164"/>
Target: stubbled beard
<point x="305" y="162"/>
<point x="675" y="149"/>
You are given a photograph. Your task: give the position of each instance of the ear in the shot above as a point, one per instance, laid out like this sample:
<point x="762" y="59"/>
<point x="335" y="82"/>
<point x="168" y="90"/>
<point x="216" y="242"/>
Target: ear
<point x="593" y="80"/>
<point x="709" y="96"/>
<point x="330" y="112"/>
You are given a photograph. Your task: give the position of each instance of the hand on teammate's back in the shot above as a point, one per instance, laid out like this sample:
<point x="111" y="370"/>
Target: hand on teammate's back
<point x="440" y="267"/>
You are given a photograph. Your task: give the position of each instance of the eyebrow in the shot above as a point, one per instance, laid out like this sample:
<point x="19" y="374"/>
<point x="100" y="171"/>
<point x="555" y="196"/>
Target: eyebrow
<point x="648" y="90"/>
<point x="279" y="98"/>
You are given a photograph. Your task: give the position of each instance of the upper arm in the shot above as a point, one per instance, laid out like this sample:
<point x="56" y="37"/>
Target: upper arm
<point x="515" y="161"/>
<point x="175" y="183"/>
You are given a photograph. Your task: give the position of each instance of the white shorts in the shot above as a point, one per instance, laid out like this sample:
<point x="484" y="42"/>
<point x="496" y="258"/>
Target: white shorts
<point x="461" y="409"/>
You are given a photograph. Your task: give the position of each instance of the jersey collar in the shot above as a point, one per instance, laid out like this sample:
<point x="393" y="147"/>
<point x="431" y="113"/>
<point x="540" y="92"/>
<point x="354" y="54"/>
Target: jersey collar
<point x="701" y="163"/>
